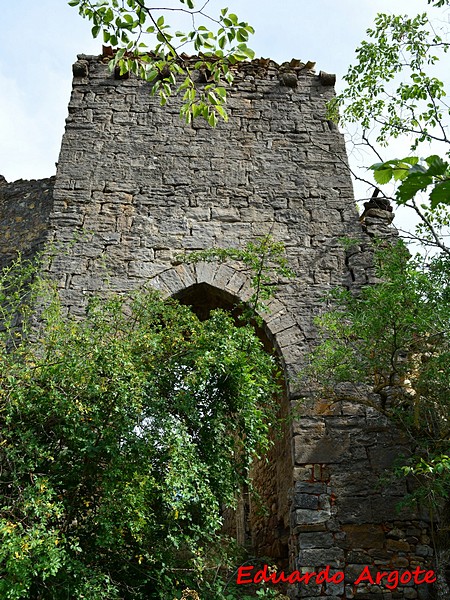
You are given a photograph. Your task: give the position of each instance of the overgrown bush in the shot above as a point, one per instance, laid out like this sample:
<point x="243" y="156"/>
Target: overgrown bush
<point x="123" y="437"/>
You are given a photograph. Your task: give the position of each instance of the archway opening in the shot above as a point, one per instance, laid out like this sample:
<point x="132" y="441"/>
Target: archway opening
<point x="261" y="521"/>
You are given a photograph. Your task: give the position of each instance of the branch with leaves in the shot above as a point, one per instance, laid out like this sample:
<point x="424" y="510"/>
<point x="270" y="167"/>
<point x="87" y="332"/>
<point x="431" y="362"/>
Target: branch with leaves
<point x="264" y="259"/>
<point x="393" y="91"/>
<point x="392" y="84"/>
<point x="144" y="44"/>
<point x="415" y="177"/>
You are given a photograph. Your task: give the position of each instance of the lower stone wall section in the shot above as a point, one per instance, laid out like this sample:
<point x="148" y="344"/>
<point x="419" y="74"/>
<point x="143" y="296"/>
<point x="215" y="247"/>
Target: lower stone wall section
<point x="347" y="511"/>
<point x="269" y="522"/>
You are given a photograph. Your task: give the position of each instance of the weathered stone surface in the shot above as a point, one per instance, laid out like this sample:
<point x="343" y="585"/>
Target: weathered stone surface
<point x="316" y="540"/>
<point x="322" y="557"/>
<point x="311" y="517"/>
<point x="323" y="450"/>
<point x="25" y="208"/>
<point x="364" y="536"/>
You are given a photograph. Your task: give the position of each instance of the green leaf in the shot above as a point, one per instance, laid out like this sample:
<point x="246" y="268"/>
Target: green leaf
<point x="222" y="93"/>
<point x="436" y="165"/>
<point x="411" y="160"/>
<point x="212" y="119"/>
<point x="212" y="98"/>
<point x="124" y="68"/>
<point x="440" y="194"/>
<point x="151" y="75"/>
<point x="119" y="54"/>
<point x="222" y="112"/>
<point x="108" y="17"/>
<point x="196" y="110"/>
<point x="242" y="35"/>
<point x="383" y="175"/>
<point x="400" y="172"/>
<point x="245" y="51"/>
<point x="414" y="183"/>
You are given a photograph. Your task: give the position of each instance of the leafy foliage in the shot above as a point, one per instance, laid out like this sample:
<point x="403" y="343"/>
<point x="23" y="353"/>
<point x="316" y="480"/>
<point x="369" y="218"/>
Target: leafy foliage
<point x="264" y="259"/>
<point x="147" y="46"/>
<point x="395" y="337"/>
<point x="415" y="177"/>
<point x="393" y="91"/>
<point x="123" y="435"/>
<point x="392" y="84"/>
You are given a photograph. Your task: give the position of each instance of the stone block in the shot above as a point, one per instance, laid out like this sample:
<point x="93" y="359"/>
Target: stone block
<point x="383" y="455"/>
<point x="364" y="536"/>
<point x="385" y="504"/>
<point x="227" y="215"/>
<point x="354" y="482"/>
<point x="311" y="517"/>
<point x="142" y="269"/>
<point x="422" y="550"/>
<point x="306" y="501"/>
<point x="354" y="510"/>
<point x="205" y="271"/>
<point x="324" y="450"/>
<point x="321" y="557"/>
<point x="222" y="276"/>
<point x="306" y="487"/>
<point x="334" y="590"/>
<point x="315" y="540"/>
<point x="311" y="429"/>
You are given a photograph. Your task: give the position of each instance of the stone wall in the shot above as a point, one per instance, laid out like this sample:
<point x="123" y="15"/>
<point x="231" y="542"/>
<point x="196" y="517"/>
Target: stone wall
<point x="24" y="217"/>
<point x="136" y="187"/>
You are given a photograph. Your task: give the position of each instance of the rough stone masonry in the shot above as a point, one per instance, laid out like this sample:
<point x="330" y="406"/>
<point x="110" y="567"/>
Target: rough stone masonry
<point x="136" y="186"/>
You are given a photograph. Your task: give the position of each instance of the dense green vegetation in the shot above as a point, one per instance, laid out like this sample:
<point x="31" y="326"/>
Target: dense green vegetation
<point x="123" y="437"/>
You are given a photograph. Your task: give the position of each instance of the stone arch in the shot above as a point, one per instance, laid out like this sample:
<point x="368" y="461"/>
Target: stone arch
<point x="231" y="285"/>
<point x="261" y="522"/>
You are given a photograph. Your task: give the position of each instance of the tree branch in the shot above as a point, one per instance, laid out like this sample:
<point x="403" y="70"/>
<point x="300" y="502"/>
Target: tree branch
<point x="430" y="227"/>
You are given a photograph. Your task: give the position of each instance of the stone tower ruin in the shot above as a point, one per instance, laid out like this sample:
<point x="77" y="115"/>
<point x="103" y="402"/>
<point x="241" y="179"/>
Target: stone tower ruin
<point x="136" y="187"/>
